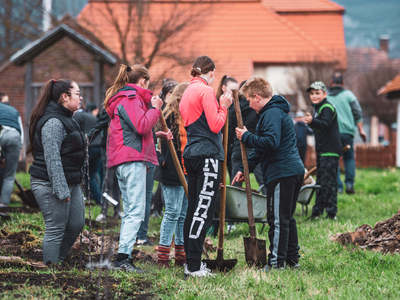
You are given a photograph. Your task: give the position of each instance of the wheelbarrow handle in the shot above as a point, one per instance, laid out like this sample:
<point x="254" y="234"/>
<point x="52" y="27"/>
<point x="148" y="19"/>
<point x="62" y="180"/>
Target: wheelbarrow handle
<point x="245" y="162"/>
<point x="175" y="159"/>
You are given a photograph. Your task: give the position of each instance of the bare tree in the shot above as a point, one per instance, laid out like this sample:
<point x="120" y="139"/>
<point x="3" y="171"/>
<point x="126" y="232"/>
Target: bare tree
<point x="368" y="84"/>
<point x="145" y="36"/>
<point x="20" y="22"/>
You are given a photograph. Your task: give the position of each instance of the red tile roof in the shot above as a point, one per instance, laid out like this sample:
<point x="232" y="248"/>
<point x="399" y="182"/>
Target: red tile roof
<point x="391" y="86"/>
<point x="237" y="34"/>
<point x="303" y="5"/>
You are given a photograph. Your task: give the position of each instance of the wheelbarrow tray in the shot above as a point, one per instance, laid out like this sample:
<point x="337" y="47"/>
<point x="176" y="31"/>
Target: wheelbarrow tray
<point x="236" y="204"/>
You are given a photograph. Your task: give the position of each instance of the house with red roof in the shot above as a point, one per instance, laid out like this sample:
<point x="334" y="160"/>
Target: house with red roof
<point x="243" y="37"/>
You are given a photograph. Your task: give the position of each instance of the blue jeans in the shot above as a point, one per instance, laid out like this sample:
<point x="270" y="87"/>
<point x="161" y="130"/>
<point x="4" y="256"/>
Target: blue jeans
<point x="10" y="143"/>
<point x="132" y="183"/>
<point x="64" y="220"/>
<point x="349" y="163"/>
<point x="172" y="223"/>
<point x="144" y="227"/>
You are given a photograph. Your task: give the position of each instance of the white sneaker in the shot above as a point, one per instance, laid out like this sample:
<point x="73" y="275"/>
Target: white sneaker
<point x="203" y="272"/>
<point x="101" y="218"/>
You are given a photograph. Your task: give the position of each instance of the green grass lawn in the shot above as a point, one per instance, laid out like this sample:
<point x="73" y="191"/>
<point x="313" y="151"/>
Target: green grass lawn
<point x="328" y="270"/>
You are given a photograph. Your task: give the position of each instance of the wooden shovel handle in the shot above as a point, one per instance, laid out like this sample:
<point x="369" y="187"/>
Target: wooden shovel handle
<point x="310" y="172"/>
<point x="175" y="159"/>
<point x="245" y="167"/>
<point x="222" y="204"/>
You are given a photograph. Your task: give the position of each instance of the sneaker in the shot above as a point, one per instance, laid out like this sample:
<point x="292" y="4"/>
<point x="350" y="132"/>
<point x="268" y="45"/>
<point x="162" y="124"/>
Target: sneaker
<point x="350" y="191"/>
<point x="2" y="205"/>
<point x="101" y="218"/>
<point x="231" y="227"/>
<point x="203" y="267"/>
<point x="268" y="268"/>
<point x="126" y="265"/>
<point x="145" y="242"/>
<point x="203" y="272"/>
<point x="294" y="264"/>
<point x="332" y="217"/>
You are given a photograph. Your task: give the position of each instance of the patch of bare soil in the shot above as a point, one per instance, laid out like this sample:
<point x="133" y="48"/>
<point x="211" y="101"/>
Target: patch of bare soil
<point x="111" y="223"/>
<point x="383" y="237"/>
<point x="19" y="209"/>
<point x="76" y="286"/>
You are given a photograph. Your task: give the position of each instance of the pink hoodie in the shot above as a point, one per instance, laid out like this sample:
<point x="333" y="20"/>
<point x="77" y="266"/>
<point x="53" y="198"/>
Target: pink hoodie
<point x="130" y="135"/>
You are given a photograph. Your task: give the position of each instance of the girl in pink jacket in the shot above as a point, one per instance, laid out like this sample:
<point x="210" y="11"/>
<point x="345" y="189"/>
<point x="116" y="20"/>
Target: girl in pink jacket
<point x="130" y="147"/>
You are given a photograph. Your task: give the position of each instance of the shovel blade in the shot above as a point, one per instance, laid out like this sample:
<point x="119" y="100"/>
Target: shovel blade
<point x="224" y="265"/>
<point x="255" y="252"/>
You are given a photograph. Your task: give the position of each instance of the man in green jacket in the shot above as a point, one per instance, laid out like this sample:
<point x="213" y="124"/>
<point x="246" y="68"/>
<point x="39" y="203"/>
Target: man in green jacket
<point x="349" y="115"/>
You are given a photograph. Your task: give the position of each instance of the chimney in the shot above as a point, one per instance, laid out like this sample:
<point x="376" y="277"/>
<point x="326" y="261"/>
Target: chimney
<point x="46" y="4"/>
<point x="384" y="43"/>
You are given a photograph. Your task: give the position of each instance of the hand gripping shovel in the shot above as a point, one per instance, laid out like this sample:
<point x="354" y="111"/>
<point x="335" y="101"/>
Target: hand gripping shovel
<point x="255" y="249"/>
<point x="223" y="265"/>
<point x="175" y="159"/>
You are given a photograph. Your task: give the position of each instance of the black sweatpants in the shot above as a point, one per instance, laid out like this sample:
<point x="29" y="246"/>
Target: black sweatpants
<point x="327" y="178"/>
<point x="204" y="177"/>
<point x="281" y="204"/>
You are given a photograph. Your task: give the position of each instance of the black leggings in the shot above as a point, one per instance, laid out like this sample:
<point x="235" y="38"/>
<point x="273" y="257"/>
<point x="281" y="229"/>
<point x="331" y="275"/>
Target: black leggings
<point x="204" y="177"/>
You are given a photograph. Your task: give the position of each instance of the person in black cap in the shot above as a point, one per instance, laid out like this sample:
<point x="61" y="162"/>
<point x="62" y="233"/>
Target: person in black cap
<point x="349" y="119"/>
<point x="328" y="147"/>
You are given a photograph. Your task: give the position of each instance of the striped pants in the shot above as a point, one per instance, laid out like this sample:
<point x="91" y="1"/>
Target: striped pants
<point x="281" y="203"/>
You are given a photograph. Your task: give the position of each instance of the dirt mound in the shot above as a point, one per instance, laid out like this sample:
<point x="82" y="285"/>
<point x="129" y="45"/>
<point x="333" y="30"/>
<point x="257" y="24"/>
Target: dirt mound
<point x="383" y="237"/>
<point x="75" y="286"/>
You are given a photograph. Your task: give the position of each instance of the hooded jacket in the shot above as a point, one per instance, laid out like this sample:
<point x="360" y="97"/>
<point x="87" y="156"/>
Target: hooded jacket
<point x="130" y="136"/>
<point x="274" y="142"/>
<point x="348" y="109"/>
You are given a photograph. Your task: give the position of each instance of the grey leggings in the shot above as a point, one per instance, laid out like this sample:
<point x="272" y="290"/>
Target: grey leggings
<point x="64" y="220"/>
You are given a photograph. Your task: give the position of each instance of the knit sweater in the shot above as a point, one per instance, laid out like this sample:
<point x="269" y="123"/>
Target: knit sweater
<point x="53" y="134"/>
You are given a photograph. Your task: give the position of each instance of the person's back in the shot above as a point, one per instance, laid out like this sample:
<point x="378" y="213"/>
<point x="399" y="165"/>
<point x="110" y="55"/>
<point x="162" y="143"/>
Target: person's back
<point x="349" y="119"/>
<point x="280" y="154"/>
<point x="347" y="108"/>
<point x="275" y="144"/>
<point x="11" y="140"/>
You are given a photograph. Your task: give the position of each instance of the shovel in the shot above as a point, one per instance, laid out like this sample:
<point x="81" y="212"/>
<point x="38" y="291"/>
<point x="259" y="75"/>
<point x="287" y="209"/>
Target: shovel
<point x="221" y="264"/>
<point x="26" y="196"/>
<point x="255" y="249"/>
<point x="175" y="159"/>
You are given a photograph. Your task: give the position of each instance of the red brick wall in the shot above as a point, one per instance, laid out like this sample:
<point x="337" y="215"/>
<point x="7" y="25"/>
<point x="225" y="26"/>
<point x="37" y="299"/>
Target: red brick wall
<point x="12" y="80"/>
<point x="64" y="59"/>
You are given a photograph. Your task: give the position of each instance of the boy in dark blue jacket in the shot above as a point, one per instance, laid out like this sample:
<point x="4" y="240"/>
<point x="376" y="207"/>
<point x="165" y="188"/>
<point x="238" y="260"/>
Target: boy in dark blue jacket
<point x="275" y="147"/>
<point x="328" y="147"/>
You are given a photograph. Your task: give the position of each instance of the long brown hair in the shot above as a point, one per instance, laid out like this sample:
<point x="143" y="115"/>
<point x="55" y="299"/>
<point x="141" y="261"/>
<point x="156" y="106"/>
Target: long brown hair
<point x="52" y="91"/>
<point x="172" y="106"/>
<point x="126" y="74"/>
